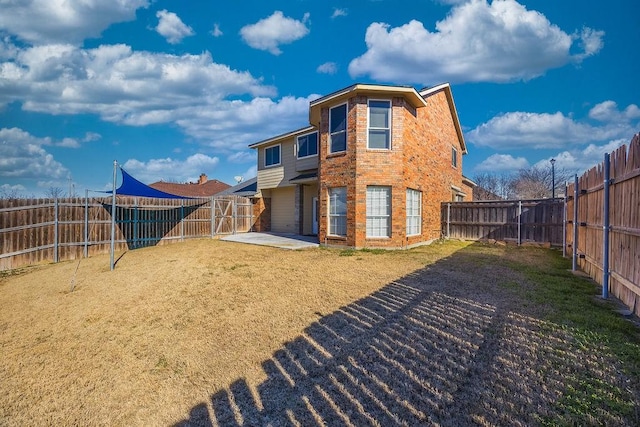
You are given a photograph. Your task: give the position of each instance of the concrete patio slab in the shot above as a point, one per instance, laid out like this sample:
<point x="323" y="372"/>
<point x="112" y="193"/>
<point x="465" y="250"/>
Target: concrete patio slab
<point x="277" y="240"/>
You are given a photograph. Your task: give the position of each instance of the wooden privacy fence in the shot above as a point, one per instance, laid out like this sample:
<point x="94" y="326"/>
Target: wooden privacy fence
<point x="35" y="230"/>
<point x="603" y="227"/>
<point x="518" y="221"/>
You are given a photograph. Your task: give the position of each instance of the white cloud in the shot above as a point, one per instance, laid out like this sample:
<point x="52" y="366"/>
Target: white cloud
<point x="22" y="156"/>
<point x="118" y="84"/>
<point x="216" y="32"/>
<point x="339" y="12"/>
<point x="476" y="42"/>
<point x="172" y="170"/>
<point x="171" y="27"/>
<point x="327" y="68"/>
<point x="502" y="163"/>
<point x="245" y="156"/>
<point x="269" y="33"/>
<point x="579" y="160"/>
<point x="544" y="130"/>
<point x="607" y="111"/>
<point x="250" y="173"/>
<point x="141" y="88"/>
<point x="64" y="21"/>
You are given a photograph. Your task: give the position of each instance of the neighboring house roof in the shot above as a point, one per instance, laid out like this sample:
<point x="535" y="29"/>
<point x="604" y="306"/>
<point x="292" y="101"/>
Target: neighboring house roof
<point x="202" y="188"/>
<point x="452" y="106"/>
<point x="409" y="92"/>
<point x="248" y="188"/>
<point x="283" y="136"/>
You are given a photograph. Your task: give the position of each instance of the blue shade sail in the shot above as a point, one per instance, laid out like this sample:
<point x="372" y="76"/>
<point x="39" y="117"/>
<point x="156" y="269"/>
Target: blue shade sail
<point x="132" y="187"/>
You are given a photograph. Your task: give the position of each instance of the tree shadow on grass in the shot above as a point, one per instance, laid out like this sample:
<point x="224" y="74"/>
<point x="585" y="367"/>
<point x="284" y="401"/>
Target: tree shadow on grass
<point x="452" y="344"/>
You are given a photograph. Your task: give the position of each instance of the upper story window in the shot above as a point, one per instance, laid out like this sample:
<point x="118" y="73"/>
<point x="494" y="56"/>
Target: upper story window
<point x="454" y="157"/>
<point x="308" y="145"/>
<point x="338" y="129"/>
<point x="272" y="156"/>
<point x="379" y="125"/>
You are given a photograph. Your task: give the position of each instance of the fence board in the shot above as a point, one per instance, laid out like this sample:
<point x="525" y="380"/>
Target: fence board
<point x="27" y="226"/>
<point x="541" y="221"/>
<point x="624" y="220"/>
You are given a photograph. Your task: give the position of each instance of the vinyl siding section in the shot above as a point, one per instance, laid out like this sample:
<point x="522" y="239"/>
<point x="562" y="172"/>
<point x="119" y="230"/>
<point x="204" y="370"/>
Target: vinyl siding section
<point x="277" y="176"/>
<point x="307" y="163"/>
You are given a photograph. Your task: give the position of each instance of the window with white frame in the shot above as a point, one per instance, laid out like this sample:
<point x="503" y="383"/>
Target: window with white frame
<point x="308" y="145"/>
<point x="338" y="128"/>
<point x="379" y="125"/>
<point x="414" y="212"/>
<point x="338" y="211"/>
<point x="378" y="211"/>
<point x="272" y="156"/>
<point x="454" y="157"/>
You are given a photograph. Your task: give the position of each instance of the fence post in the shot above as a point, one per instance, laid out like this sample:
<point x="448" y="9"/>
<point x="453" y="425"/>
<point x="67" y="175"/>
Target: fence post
<point x="213" y="212"/>
<point x="448" y="220"/>
<point x="86" y="223"/>
<point x="136" y="223"/>
<point x="519" y="222"/>
<point x="605" y="228"/>
<point x="234" y="212"/>
<point x="574" y="263"/>
<point x="564" y="222"/>
<point x="55" y="229"/>
<point x="113" y="216"/>
<point x="182" y="221"/>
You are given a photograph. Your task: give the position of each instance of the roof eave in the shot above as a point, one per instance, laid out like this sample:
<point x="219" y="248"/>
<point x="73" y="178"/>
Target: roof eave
<point x="409" y="92"/>
<point x="282" y="137"/>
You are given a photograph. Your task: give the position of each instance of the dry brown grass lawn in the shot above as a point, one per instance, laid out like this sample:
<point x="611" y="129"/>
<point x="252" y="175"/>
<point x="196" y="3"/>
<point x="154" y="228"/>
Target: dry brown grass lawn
<point x="210" y="332"/>
<point x="169" y="326"/>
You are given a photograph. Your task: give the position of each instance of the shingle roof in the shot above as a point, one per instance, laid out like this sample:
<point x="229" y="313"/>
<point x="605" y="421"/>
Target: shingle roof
<point x="191" y="189"/>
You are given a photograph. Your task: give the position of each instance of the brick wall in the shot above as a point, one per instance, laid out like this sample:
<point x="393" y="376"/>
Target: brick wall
<point x="261" y="214"/>
<point x="420" y="158"/>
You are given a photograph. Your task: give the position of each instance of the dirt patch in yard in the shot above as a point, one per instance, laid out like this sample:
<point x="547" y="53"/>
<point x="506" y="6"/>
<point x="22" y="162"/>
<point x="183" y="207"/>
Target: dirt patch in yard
<point x="209" y="332"/>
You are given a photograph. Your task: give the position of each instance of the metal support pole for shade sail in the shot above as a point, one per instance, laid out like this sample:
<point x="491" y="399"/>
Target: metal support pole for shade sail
<point x="605" y="228"/>
<point x="113" y="214"/>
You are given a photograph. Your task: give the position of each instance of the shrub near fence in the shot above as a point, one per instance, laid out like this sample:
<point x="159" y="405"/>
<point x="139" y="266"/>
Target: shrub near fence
<point x="36" y="230"/>
<point x="517" y="221"/>
<point x="623" y="230"/>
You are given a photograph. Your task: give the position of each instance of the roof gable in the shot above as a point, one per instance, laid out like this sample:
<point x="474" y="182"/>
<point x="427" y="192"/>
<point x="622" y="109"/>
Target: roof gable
<point x="427" y="92"/>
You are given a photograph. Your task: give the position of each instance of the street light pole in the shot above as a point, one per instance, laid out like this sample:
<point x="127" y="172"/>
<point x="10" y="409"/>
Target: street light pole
<point x="553" y="178"/>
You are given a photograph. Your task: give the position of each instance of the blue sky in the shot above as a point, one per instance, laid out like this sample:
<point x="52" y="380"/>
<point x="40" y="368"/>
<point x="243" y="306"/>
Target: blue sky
<point x="172" y="89"/>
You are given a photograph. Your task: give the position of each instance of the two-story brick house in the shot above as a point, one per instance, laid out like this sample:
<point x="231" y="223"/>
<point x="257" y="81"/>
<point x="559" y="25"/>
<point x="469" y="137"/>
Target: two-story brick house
<point x="371" y="170"/>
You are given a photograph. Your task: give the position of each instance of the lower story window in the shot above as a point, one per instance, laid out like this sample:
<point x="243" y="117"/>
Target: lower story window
<point x="378" y="211"/>
<point x="338" y="211"/>
<point x="414" y="212"/>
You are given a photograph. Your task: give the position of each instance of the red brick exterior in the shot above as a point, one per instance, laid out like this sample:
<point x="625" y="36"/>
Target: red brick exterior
<point x="261" y="214"/>
<point x="420" y="159"/>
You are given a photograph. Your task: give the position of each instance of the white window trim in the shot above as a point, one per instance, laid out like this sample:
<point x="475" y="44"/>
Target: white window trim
<point x="390" y="123"/>
<point x="419" y="216"/>
<point x="346" y="129"/>
<point x="298" y="145"/>
<point x="279" y="159"/>
<point x="454" y="157"/>
<point x="387" y="216"/>
<point x="329" y="215"/>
